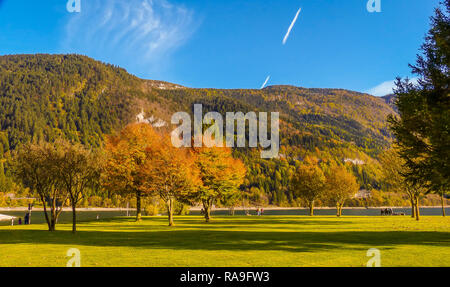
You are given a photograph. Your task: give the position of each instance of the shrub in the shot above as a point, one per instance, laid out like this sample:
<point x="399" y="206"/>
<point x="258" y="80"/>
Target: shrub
<point x="181" y="208"/>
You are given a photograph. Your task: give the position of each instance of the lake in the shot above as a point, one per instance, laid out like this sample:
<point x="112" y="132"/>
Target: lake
<point x="332" y="211"/>
<point x="66" y="217"/>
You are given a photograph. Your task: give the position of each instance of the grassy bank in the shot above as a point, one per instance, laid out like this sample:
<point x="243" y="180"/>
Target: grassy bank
<point x="233" y="241"/>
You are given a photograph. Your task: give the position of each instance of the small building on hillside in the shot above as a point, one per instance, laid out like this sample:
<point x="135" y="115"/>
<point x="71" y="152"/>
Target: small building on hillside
<point x="363" y="193"/>
<point x="354" y="161"/>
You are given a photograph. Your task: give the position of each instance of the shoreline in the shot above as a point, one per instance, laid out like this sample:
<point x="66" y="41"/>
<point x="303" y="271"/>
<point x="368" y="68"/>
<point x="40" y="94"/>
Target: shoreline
<point x="315" y="208"/>
<point x="67" y="209"/>
<point x="197" y="208"/>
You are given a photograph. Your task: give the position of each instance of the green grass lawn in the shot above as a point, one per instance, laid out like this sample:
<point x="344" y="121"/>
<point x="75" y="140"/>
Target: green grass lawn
<point x="233" y="241"/>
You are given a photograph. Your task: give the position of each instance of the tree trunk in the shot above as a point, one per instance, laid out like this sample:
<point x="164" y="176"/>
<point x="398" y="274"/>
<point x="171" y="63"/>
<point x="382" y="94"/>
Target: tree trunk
<point x="338" y="210"/>
<point x="208" y="214"/>
<point x="138" y="206"/>
<point x="49" y="224"/>
<point x="417" y="208"/>
<point x="45" y="212"/>
<point x="442" y="202"/>
<point x="52" y="223"/>
<point x="207" y="207"/>
<point x="74" y="218"/>
<point x="413" y="206"/>
<point x="311" y="208"/>
<point x="170" y="211"/>
<point x="53" y="216"/>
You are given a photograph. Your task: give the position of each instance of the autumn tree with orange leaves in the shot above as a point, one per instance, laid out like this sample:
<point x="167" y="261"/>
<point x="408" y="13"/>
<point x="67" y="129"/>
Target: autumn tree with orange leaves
<point x="172" y="174"/>
<point x="128" y="157"/>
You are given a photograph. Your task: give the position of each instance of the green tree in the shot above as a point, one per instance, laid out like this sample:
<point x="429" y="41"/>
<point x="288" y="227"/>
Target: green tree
<point x="5" y="181"/>
<point x="422" y="129"/>
<point x="78" y="169"/>
<point x="35" y="165"/>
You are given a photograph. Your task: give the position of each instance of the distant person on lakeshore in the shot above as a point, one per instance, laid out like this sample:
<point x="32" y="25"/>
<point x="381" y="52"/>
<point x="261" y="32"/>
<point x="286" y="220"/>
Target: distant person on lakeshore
<point x="262" y="211"/>
<point x="20" y="220"/>
<point x="27" y="218"/>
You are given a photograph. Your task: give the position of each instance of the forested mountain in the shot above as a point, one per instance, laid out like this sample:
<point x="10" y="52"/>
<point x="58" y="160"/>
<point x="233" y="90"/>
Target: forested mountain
<point x="44" y="97"/>
<point x="390" y="100"/>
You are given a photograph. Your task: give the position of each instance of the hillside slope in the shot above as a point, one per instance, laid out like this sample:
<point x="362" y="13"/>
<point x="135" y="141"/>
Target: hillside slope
<point x="44" y="97"/>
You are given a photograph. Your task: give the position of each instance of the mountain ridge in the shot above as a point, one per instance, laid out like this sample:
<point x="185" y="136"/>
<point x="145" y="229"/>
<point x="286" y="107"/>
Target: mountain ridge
<point x="44" y="97"/>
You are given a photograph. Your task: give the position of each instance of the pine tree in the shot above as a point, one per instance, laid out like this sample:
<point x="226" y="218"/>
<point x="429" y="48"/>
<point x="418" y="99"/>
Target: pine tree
<point x="423" y="129"/>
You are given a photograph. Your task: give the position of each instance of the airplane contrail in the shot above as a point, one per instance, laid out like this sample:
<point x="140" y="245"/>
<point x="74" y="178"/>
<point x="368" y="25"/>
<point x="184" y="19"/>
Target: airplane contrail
<point x="290" y="27"/>
<point x="265" y="82"/>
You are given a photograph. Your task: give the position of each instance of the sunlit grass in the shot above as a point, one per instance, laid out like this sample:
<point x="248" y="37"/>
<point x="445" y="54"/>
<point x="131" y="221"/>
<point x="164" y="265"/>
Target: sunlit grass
<point x="233" y="241"/>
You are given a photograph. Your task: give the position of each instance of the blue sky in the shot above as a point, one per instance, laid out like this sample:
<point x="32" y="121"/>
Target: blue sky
<point x="229" y="44"/>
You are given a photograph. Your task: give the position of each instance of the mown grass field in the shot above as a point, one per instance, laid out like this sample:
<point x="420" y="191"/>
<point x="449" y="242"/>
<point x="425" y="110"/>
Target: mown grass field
<point x="233" y="241"/>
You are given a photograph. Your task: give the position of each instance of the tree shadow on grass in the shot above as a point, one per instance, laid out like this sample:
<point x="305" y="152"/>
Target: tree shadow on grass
<point x="176" y="239"/>
<point x="244" y="220"/>
<point x="268" y="224"/>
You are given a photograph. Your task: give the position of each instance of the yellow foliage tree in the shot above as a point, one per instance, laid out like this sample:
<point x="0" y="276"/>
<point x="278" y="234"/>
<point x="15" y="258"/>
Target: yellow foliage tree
<point x="394" y="173"/>
<point x="340" y="185"/>
<point x="308" y="183"/>
<point x="220" y="173"/>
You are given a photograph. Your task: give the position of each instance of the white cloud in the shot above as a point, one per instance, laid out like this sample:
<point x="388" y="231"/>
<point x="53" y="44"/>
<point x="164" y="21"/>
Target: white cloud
<point x="385" y="88"/>
<point x="124" y="32"/>
<point x="291" y="26"/>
